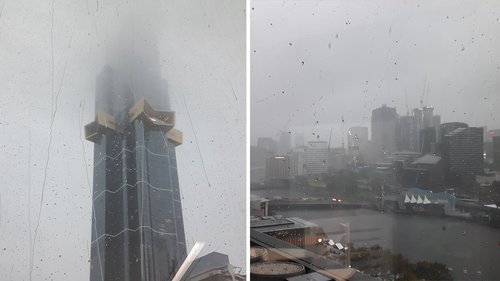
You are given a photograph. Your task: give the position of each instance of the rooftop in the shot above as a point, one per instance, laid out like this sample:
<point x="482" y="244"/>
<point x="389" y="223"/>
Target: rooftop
<point x="428" y="159"/>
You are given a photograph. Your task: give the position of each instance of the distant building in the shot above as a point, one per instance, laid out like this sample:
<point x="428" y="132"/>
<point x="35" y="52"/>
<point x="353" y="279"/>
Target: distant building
<point x="300" y="153"/>
<point x="336" y="159"/>
<point x="384" y="121"/>
<point x="426" y="173"/>
<point x="258" y="156"/>
<point x="259" y="206"/>
<point x="299" y="139"/>
<point x="285" y="143"/>
<point x="357" y="137"/>
<point x="428" y="116"/>
<point x="407" y="133"/>
<point x="317" y="157"/>
<point x="281" y="167"/>
<point x="463" y="155"/>
<point x="268" y="143"/>
<point x="427" y="140"/>
<point x="416" y="200"/>
<point x="489" y="134"/>
<point x="496" y="153"/>
<point x="446" y="128"/>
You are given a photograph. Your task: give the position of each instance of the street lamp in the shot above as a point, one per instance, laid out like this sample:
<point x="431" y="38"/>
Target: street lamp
<point x="347" y="231"/>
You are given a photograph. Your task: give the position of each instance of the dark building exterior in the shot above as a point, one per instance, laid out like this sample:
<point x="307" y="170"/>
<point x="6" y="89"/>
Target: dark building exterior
<point x="407" y="133"/>
<point x="463" y="155"/>
<point x="384" y="121"/>
<point x="137" y="223"/>
<point x="496" y="153"/>
<point x="427" y="139"/>
<point x="425" y="173"/>
<point x="447" y="128"/>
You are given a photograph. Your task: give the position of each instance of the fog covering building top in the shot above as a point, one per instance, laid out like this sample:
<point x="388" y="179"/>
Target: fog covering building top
<point x="137" y="223"/>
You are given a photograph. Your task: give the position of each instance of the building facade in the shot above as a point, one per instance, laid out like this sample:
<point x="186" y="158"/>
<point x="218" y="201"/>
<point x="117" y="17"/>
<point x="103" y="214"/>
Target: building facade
<point x="137" y="223"/>
<point x="384" y="122"/>
<point x="463" y="155"/>
<point x="281" y="167"/>
<point x="317" y="157"/>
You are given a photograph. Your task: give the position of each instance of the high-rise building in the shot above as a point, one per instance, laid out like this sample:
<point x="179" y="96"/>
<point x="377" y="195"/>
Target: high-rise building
<point x="428" y="116"/>
<point x="496" y="153"/>
<point x="427" y="141"/>
<point x="285" y="143"/>
<point x="463" y="155"/>
<point x="137" y="223"/>
<point x="317" y="157"/>
<point x="407" y="133"/>
<point x="299" y="139"/>
<point x="384" y="121"/>
<point x="447" y="128"/>
<point x="299" y="152"/>
<point x="281" y="167"/>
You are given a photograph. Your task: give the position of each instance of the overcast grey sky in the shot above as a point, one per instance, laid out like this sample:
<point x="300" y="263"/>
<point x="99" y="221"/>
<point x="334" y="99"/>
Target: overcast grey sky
<point x="314" y="61"/>
<point x="50" y="54"/>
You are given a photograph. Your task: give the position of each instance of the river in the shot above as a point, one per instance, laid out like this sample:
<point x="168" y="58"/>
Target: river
<point x="474" y="255"/>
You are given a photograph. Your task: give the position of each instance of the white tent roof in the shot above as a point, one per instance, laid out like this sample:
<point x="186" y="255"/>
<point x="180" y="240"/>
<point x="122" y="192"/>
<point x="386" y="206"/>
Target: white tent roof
<point x="413" y="200"/>
<point x="407" y="199"/>
<point x="420" y="201"/>
<point x="426" y="201"/>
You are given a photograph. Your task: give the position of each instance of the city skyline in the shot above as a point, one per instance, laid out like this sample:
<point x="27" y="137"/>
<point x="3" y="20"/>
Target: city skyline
<point x="405" y="55"/>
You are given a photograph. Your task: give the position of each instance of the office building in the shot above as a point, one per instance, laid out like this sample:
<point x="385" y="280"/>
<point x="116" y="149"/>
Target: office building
<point x="299" y="139"/>
<point x="384" y="122"/>
<point x="407" y="134"/>
<point x="496" y="153"/>
<point x="137" y="223"/>
<point x="317" y="157"/>
<point x="427" y="140"/>
<point x="463" y="155"/>
<point x="281" y="168"/>
<point x="447" y="128"/>
<point x="285" y="143"/>
<point x="428" y="113"/>
<point x="299" y="152"/>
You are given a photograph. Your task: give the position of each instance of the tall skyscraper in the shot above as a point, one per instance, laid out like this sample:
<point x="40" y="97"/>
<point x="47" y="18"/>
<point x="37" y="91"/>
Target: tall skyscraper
<point x="137" y="224"/>
<point x="427" y="139"/>
<point x="407" y="134"/>
<point x="384" y="121"/>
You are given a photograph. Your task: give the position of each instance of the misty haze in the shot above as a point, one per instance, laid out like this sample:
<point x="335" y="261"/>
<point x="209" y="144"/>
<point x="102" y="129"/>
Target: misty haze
<point x="375" y="137"/>
<point x="121" y="123"/>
